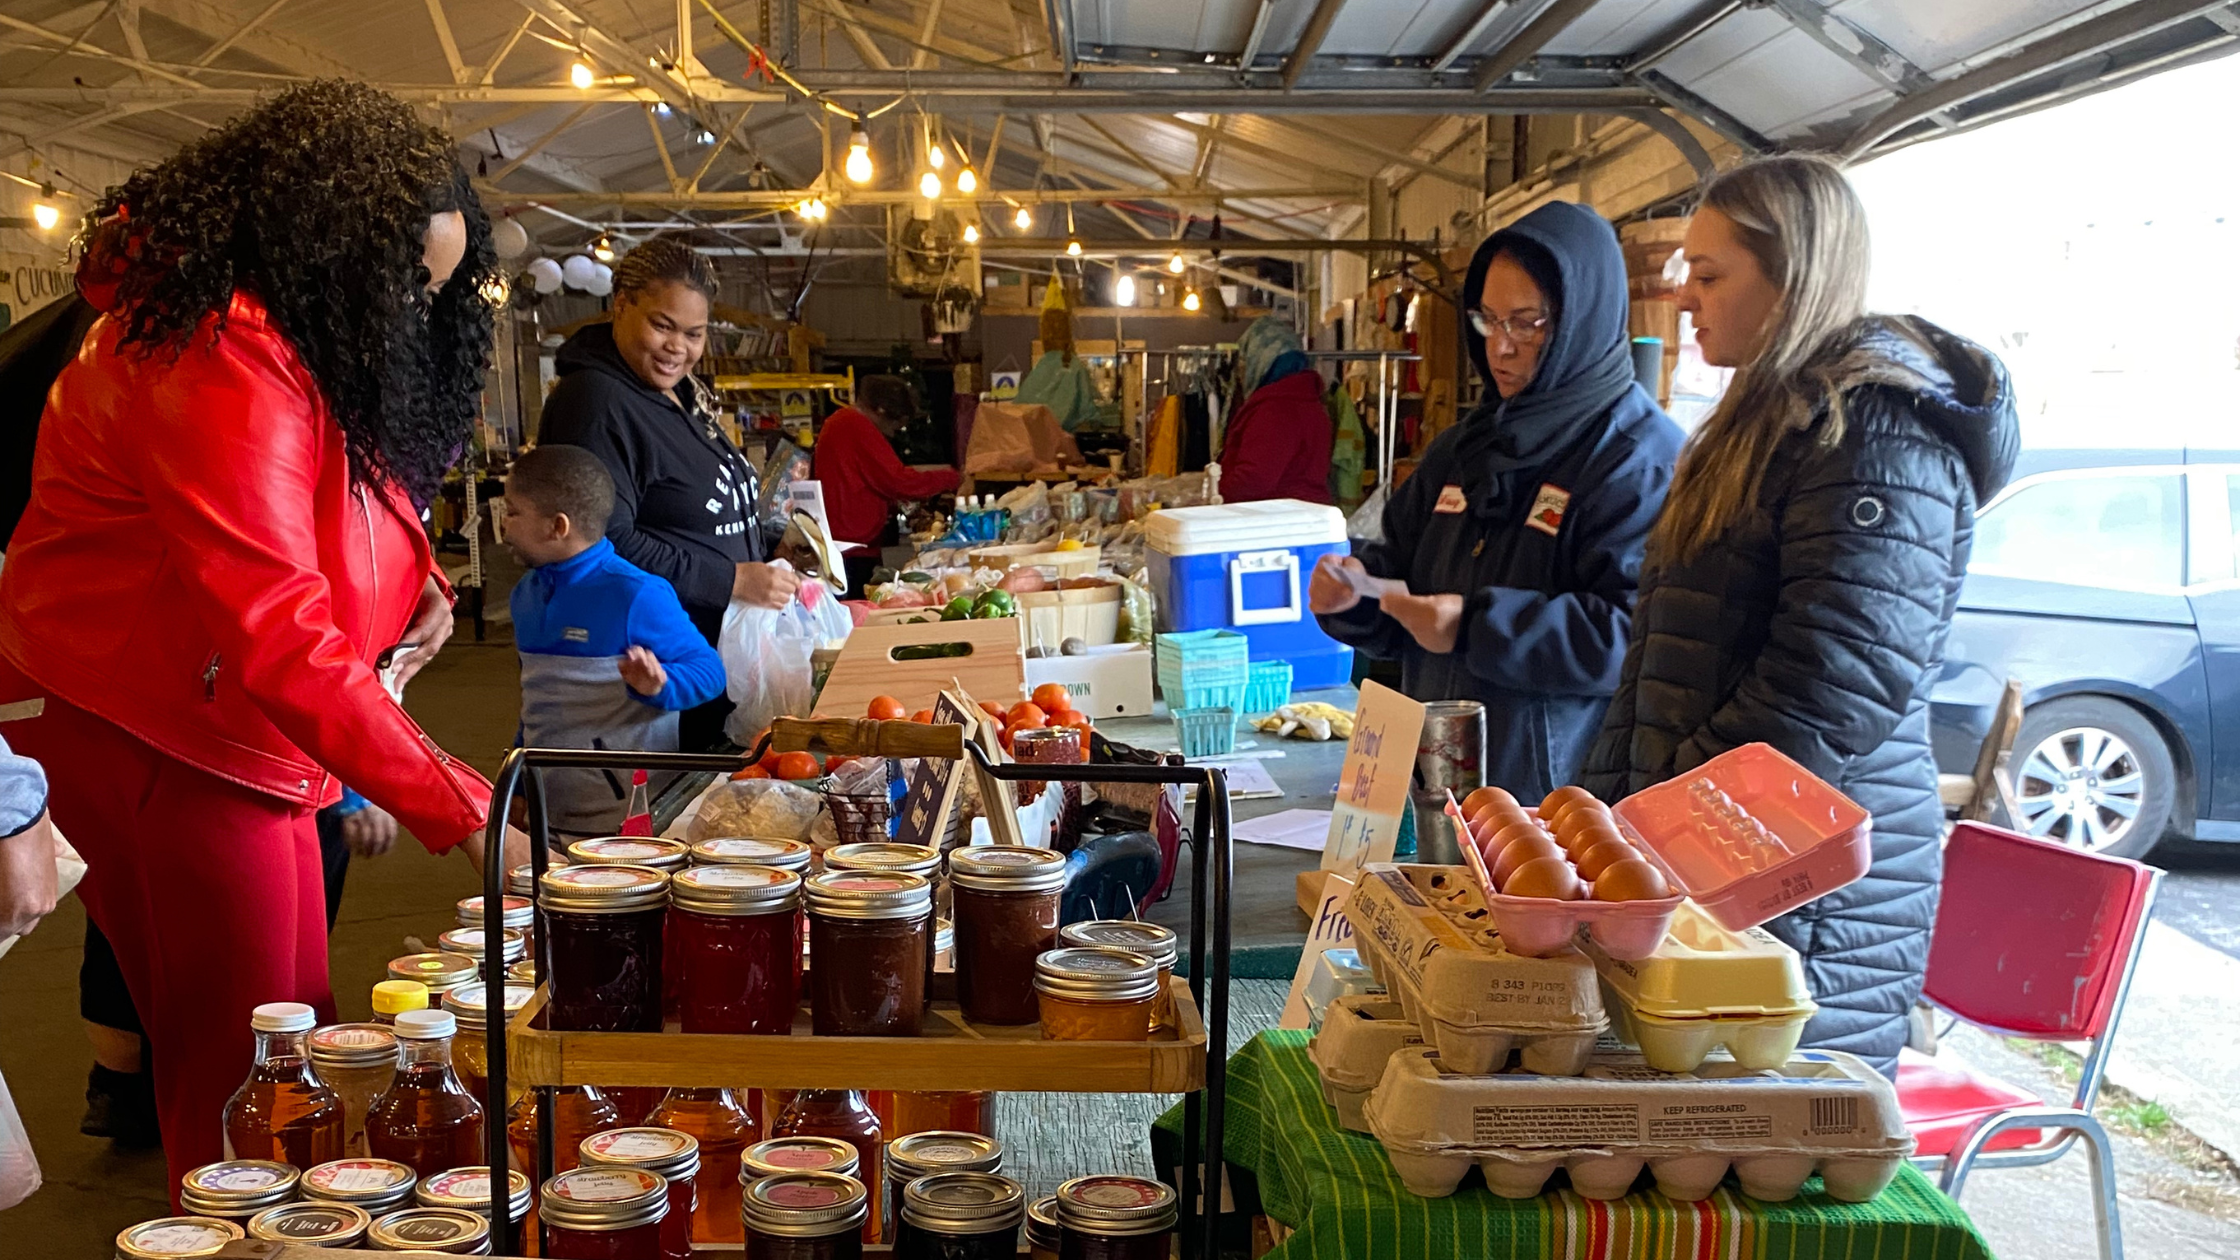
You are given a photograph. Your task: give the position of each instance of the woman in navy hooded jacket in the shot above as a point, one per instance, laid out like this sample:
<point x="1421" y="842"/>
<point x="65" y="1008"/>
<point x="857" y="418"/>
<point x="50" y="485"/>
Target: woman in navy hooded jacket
<point x="1520" y="535"/>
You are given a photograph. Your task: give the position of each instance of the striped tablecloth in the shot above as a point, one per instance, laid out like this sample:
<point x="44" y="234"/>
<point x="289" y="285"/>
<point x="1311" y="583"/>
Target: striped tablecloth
<point x="1338" y="1194"/>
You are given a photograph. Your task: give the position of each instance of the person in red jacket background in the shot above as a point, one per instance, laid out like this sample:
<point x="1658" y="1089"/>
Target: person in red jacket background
<point x="223" y="553"/>
<point x="863" y="478"/>
<point x="1277" y="443"/>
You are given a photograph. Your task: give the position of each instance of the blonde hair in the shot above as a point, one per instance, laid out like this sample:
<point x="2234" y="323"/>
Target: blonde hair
<point x="1806" y="228"/>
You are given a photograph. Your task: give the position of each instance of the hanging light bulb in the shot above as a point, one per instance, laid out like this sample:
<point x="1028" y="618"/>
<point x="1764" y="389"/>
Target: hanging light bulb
<point x="967" y="182"/>
<point x="603" y="249"/>
<point x="1190" y="300"/>
<point x="934" y="156"/>
<point x="661" y="109"/>
<point x="580" y="75"/>
<point x="813" y="210"/>
<point x="703" y="137"/>
<point x="44" y="211"/>
<point x="971" y="234"/>
<point x="1124" y="291"/>
<point x="859" y="153"/>
<point x="1175" y="263"/>
<point x="929" y="185"/>
<point x="1024" y="219"/>
<point x="1073" y="243"/>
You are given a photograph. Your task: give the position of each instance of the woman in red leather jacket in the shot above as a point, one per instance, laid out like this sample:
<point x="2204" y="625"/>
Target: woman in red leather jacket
<point x="222" y="549"/>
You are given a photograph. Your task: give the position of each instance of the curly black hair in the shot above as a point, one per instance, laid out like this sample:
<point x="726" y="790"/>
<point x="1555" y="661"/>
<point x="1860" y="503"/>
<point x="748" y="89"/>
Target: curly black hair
<point x="318" y="202"/>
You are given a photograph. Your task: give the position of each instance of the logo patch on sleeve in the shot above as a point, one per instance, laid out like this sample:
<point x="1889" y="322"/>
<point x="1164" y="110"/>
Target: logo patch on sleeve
<point x="575" y="634"/>
<point x="1548" y="507"/>
<point x="1451" y="501"/>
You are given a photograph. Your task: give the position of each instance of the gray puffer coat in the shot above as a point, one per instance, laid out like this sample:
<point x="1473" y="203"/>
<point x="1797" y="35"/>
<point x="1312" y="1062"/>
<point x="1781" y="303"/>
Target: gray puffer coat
<point x="1817" y="626"/>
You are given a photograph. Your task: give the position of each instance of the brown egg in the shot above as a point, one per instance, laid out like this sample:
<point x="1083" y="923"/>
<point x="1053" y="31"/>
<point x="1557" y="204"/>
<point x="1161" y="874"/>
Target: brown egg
<point x="1501" y="839"/>
<point x="1550" y="877"/>
<point x="1631" y="879"/>
<point x="1588" y="833"/>
<point x="1483" y="797"/>
<point x="1497" y="815"/>
<point x="1555" y="803"/>
<point x="1605" y="854"/>
<point x="1518" y="852"/>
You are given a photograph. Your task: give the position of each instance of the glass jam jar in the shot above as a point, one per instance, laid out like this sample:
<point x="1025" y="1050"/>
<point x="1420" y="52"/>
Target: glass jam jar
<point x="468" y="1190"/>
<point x="916" y="1155"/>
<point x="1042" y="1228"/>
<point x="719" y="1121"/>
<point x="1004" y="899"/>
<point x="1148" y="939"/>
<point x="468" y="943"/>
<point x="884" y="856"/>
<point x="603" y="1214"/>
<point x="1116" y="1218"/>
<point x="674" y="1156"/>
<point x="737" y="932"/>
<point x="447" y="1231"/>
<point x="175" y="1238"/>
<point x="392" y="998"/>
<point x="578" y="1111"/>
<point x="340" y="1225"/>
<point x="440" y="971"/>
<point x="1049" y="746"/>
<point x="960" y="1216"/>
<point x="518" y="911"/>
<point x="283" y="1110"/>
<point x="237" y="1189"/>
<point x="802" y="1153"/>
<point x="1095" y="993"/>
<point x="470" y="1049"/>
<point x="658" y="852"/>
<point x="356" y="1061"/>
<point x="871" y="936"/>
<point x="603" y="924"/>
<point x="786" y="855"/>
<point x="377" y="1185"/>
<point x="804" y="1216"/>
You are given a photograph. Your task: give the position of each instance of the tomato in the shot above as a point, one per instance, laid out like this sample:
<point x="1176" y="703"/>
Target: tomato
<point x="923" y="717"/>
<point x="751" y="772"/>
<point x="1081" y="723"/>
<point x="1003" y="737"/>
<point x="1033" y="720"/>
<point x="886" y="709"/>
<point x="837" y="764"/>
<point x="1053" y="698"/>
<point x="992" y="709"/>
<point x="770" y="761"/>
<point x="797" y="765"/>
<point x="1027" y="709"/>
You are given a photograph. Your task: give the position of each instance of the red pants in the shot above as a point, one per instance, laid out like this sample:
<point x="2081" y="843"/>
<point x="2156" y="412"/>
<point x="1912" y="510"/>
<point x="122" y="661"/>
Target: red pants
<point x="212" y="895"/>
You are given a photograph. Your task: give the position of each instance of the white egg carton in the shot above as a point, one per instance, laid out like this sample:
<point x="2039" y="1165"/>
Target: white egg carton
<point x="1707" y="986"/>
<point x="1822" y="1111"/>
<point x="1358" y="1035"/>
<point x="1425" y="932"/>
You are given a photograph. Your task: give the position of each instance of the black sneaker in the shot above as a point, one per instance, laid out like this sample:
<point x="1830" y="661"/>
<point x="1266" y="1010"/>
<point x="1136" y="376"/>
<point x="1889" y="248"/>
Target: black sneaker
<point x="121" y="1106"/>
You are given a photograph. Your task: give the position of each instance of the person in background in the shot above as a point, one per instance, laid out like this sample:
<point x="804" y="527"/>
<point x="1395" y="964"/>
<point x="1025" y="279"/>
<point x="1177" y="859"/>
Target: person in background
<point x="608" y="656"/>
<point x="222" y="549"/>
<point x="1802" y="579"/>
<point x="1277" y="443"/>
<point x="1520" y="535"/>
<point x="864" y="480"/>
<point x="684" y="497"/>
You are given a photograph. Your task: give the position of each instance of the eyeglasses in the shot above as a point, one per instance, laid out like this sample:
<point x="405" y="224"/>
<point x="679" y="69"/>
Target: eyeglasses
<point x="1520" y="331"/>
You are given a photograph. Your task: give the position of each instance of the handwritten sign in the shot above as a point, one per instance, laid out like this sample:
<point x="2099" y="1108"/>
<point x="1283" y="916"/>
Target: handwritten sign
<point x="1373" y="784"/>
<point x="1329" y="930"/>
<point x="929" y="803"/>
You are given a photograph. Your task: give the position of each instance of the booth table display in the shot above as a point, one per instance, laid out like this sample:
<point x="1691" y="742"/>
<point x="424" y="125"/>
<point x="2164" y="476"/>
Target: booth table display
<point x="1339" y="1195"/>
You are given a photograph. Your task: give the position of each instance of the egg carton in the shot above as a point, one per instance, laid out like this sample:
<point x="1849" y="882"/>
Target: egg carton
<point x="1822" y="1111"/>
<point x="1762" y="1042"/>
<point x="1707" y="986"/>
<point x="1359" y="1034"/>
<point x="1424" y="931"/>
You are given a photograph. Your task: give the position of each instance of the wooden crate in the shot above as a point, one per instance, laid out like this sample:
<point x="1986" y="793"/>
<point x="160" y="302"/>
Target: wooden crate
<point x="952" y="1054"/>
<point x="996" y="670"/>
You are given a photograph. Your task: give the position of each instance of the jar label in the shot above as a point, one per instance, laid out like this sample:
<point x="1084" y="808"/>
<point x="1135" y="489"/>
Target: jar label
<point x="1119" y="1192"/>
<point x="868" y="883"/>
<point x="172" y="1240"/>
<point x="802" y="1194"/>
<point x="472" y="938"/>
<point x="354" y="1175"/>
<point x="801" y="1157"/>
<point x="733" y="847"/>
<point x="429" y="1229"/>
<point x="602" y="1185"/>
<point x="602" y="879"/>
<point x="462" y="1185"/>
<point x="734" y="877"/>
<point x="312" y="1223"/>
<point x="628" y="850"/>
<point x="351" y="1037"/>
<point x="238" y="1178"/>
<point x="638" y="1144"/>
<point x="944" y="1153"/>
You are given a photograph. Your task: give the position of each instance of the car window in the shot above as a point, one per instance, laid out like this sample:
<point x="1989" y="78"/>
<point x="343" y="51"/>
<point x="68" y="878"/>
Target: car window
<point x="2123" y="531"/>
<point x="2232" y="500"/>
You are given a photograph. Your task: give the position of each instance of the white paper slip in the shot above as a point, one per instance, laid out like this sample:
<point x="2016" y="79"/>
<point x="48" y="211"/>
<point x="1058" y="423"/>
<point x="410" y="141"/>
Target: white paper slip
<point x="1303" y="829"/>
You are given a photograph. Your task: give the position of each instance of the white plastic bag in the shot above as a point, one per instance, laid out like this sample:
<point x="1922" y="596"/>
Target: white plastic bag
<point x="766" y="665"/>
<point x="19" y="1168"/>
<point x="827" y="616"/>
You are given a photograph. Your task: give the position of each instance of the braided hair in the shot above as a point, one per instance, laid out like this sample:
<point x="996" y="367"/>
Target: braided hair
<point x="664" y="260"/>
<point x="318" y="202"/>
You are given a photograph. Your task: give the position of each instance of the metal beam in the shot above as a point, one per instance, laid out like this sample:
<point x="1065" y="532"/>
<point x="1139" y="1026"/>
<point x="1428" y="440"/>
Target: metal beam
<point x="1058" y="23"/>
<point x="450" y="46"/>
<point x="1259" y="32"/>
<point x="1525" y="43"/>
<point x="858" y="38"/>
<point x="2078" y="42"/>
<point x="1469" y="34"/>
<point x="1736" y="131"/>
<point x="538" y="144"/>
<point x="779" y="197"/>
<point x="1855" y="44"/>
<point x="77" y="46"/>
<point x="618" y="56"/>
<point x="1386" y="157"/>
<point x="490" y="71"/>
<point x="661" y="146"/>
<point x="923" y="57"/>
<point x="1717" y="12"/>
<point x="1672" y="129"/>
<point x="217" y="50"/>
<point x="1310" y="40"/>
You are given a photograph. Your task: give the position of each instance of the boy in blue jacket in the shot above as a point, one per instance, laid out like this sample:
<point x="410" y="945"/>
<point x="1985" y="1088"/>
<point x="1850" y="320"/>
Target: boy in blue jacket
<point x="608" y="656"/>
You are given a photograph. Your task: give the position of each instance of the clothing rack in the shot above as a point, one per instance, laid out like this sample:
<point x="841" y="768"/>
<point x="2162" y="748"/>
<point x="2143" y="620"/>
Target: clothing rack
<point x="1388" y="399"/>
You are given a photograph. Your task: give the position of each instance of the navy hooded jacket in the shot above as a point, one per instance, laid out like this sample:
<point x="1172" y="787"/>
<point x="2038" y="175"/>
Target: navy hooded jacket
<point x="1536" y="510"/>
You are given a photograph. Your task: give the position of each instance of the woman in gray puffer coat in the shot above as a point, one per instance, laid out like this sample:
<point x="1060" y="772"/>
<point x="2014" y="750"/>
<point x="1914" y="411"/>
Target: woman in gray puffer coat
<point x="1802" y="578"/>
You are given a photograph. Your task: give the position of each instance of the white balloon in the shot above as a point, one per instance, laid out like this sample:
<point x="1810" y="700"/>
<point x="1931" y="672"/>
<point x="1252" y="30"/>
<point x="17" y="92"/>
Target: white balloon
<point x="577" y="271"/>
<point x="546" y="275"/>
<point x="509" y="238"/>
<point x="602" y="280"/>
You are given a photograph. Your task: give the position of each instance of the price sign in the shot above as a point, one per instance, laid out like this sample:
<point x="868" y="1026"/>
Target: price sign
<point x="1373" y="785"/>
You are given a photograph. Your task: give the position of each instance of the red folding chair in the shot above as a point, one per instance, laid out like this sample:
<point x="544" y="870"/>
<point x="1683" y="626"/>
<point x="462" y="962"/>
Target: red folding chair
<point x="2032" y="940"/>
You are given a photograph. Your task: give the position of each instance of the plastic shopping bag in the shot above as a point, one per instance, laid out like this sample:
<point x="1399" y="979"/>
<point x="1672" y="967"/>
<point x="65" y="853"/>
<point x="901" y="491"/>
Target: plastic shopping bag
<point x="766" y="665"/>
<point x="19" y="1168"/>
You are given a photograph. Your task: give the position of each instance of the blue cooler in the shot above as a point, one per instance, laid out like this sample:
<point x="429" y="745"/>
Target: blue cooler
<point x="1244" y="567"/>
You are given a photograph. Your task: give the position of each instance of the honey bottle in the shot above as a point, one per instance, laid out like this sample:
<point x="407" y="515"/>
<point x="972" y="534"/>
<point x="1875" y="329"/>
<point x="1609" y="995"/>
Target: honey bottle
<point x="284" y="1111"/>
<point x="426" y="1119"/>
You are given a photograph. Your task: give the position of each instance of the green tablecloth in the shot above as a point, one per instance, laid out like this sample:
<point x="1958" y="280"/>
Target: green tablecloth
<point x="1338" y="1192"/>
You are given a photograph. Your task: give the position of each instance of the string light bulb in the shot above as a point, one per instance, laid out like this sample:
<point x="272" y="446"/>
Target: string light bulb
<point x="1190" y="300"/>
<point x="929" y="186"/>
<point x="1124" y="291"/>
<point x="1175" y="264"/>
<point x="858" y="165"/>
<point x="44" y="211"/>
<point x="1024" y="219"/>
<point x="1073" y="243"/>
<point x="603" y="249"/>
<point x="967" y="182"/>
<point x="935" y="158"/>
<point x="579" y="74"/>
<point x="971" y="234"/>
<point x="813" y="210"/>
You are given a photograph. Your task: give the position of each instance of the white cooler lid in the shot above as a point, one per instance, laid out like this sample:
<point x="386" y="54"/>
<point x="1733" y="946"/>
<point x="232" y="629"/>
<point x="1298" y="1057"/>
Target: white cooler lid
<point x="1268" y="524"/>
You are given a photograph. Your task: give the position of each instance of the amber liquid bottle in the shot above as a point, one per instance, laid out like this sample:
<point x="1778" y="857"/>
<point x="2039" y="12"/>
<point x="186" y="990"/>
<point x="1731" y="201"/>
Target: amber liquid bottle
<point x="843" y="1114"/>
<point x="284" y="1111"/>
<point x="426" y="1119"/>
<point x="917" y="1111"/>
<point x="718" y="1119"/>
<point x="578" y="1111"/>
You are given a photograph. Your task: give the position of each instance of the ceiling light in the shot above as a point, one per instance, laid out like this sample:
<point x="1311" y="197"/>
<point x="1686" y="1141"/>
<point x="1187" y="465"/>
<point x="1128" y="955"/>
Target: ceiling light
<point x="1124" y="291"/>
<point x="813" y="210"/>
<point x="703" y="136"/>
<point x="935" y="157"/>
<point x="1190" y="300"/>
<point x="1024" y="219"/>
<point x="1175" y="264"/>
<point x="1073" y="247"/>
<point x="495" y="290"/>
<point x="859" y="153"/>
<point x="44" y="211"/>
<point x="603" y="249"/>
<point x="929" y="185"/>
<point x="580" y="75"/>
<point x="967" y="182"/>
<point x="661" y="109"/>
<point x="971" y="234"/>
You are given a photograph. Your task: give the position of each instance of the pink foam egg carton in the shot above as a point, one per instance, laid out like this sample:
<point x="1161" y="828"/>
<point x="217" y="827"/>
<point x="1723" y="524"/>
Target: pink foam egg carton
<point x="1542" y="927"/>
<point x="1749" y="835"/>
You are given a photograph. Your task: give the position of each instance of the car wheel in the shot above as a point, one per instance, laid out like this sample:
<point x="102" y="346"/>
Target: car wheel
<point x="2093" y="774"/>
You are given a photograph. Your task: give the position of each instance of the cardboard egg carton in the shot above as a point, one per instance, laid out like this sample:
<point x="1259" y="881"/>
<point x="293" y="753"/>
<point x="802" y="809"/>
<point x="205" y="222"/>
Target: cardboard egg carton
<point x="1358" y="1035"/>
<point x="1822" y="1111"/>
<point x="1426" y="933"/>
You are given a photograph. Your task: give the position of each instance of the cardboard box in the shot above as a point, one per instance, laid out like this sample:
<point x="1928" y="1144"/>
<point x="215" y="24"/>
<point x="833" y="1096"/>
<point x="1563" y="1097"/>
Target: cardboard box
<point x="1359" y="1036"/>
<point x="1090" y="614"/>
<point x="1113" y="681"/>
<point x="1821" y="1111"/>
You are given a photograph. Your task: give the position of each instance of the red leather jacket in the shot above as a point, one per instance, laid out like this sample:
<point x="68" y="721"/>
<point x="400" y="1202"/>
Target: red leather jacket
<point x="197" y="567"/>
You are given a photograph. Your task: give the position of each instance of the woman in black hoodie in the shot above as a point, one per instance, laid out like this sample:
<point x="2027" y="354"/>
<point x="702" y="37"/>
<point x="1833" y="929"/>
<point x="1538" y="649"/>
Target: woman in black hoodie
<point x="1803" y="576"/>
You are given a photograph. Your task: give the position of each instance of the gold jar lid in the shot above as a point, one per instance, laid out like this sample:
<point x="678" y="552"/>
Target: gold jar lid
<point x="470" y="1003"/>
<point x="175" y="1237"/>
<point x="522" y="971"/>
<point x="602" y="1199"/>
<point x="735" y="890"/>
<point x="672" y="1154"/>
<point x="844" y="894"/>
<point x="469" y="942"/>
<point x="452" y="1231"/>
<point x="237" y="1188"/>
<point x="803" y="1205"/>
<point x="658" y="852"/>
<point x="797" y="1154"/>
<point x="373" y="1184"/>
<point x="884" y="856"/>
<point x="469" y="1188"/>
<point x="786" y="855"/>
<point x="438" y="970"/>
<point x="312" y="1223"/>
<point x="1007" y="868"/>
<point x="346" y="1046"/>
<point x="1115" y="1206"/>
<point x="604" y="888"/>
<point x="517" y="909"/>
<point x="1096" y="973"/>
<point x="915" y="1155"/>
<point x="957" y="1204"/>
<point x="1042" y="1223"/>
<point x="1149" y="939"/>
